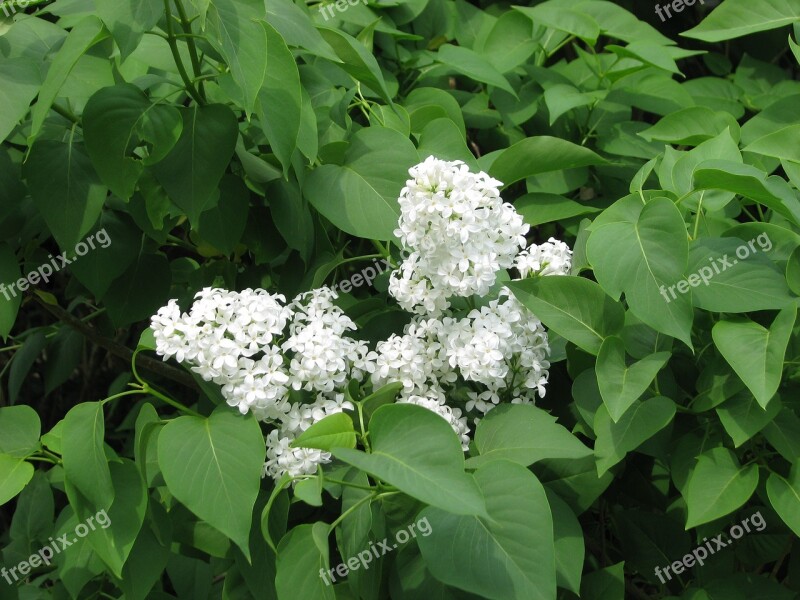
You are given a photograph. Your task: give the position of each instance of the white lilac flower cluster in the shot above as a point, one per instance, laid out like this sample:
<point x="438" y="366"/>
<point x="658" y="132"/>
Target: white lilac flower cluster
<point x="457" y="236"/>
<point x="257" y="349"/>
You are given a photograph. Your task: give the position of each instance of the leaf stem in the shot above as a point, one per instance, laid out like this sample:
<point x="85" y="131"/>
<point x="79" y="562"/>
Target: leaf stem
<point x="344" y="515"/>
<point x="173" y="46"/>
<point x="186" y="25"/>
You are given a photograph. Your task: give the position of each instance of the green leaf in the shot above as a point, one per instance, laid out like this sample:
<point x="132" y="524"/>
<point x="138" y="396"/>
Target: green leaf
<point x="735" y="18"/>
<point x="128" y="20"/>
<point x="15" y="474"/>
<point x="537" y="208"/>
<point x="85" y="463"/>
<point x="83" y="36"/>
<point x="113" y="544"/>
<point x="385" y="395"/>
<point x="573" y="307"/>
<point x="621" y="385"/>
<point x="641" y="422"/>
<point x="232" y="29"/>
<point x="605" y="584"/>
<point x="756" y="354"/>
<point x="569" y="544"/>
<point x="118" y="120"/>
<point x="20" y="429"/>
<point x="418" y="452"/>
<point x="19" y="84"/>
<point x="64" y="188"/>
<point x="783" y="433"/>
<point x="690" y="126"/>
<point x="441" y="138"/>
<point x="523" y="434"/>
<point x="333" y="431"/>
<point x="722" y="283"/>
<point x="302" y="558"/>
<point x="358" y="62"/>
<point x="718" y="486"/>
<point x="555" y="16"/>
<point x="221" y="481"/>
<point x="642" y="258"/>
<point x="191" y="172"/>
<point x="541" y="154"/>
<point x="9" y="304"/>
<point x="473" y="65"/>
<point x="510" y="554"/>
<point x="297" y="29"/>
<point x="280" y="100"/>
<point x="309" y="490"/>
<point x="742" y="417"/>
<point x="750" y="182"/>
<point x="140" y="291"/>
<point x="784" y="496"/>
<point x="224" y="225"/>
<point x="360" y="196"/>
<point x="561" y="98"/>
<point x="778" y="144"/>
<point x="648" y="53"/>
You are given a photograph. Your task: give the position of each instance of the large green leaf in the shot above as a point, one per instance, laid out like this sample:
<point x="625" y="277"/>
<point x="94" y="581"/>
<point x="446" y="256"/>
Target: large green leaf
<point x="742" y="417"/>
<point x="639" y="423"/>
<point x="735" y="18"/>
<point x="119" y="119"/>
<point x="128" y="20"/>
<point x="279" y="102"/>
<point x="357" y="61"/>
<point x="418" y="452"/>
<point x="65" y="188"/>
<point x="643" y="258"/>
<point x="541" y="154"/>
<point x="294" y="26"/>
<point x="20" y="429"/>
<point x="691" y="126"/>
<point x="15" y="473"/>
<point x="83" y="36"/>
<point x="9" y="303"/>
<point x="784" y="495"/>
<point x="523" y="434"/>
<point x="750" y="182"/>
<point x="621" y="385"/>
<point x="360" y="196"/>
<point x="555" y="16"/>
<point x="718" y="486"/>
<point x="302" y="560"/>
<point x="192" y="170"/>
<point x="756" y="353"/>
<point x="722" y="283"/>
<point x="85" y="463"/>
<point x="232" y="29"/>
<point x="213" y="465"/>
<point x="19" y="84"/>
<point x="508" y="556"/>
<point x="333" y="431"/>
<point x="569" y="543"/>
<point x="473" y="65"/>
<point x="114" y="542"/>
<point x="573" y="307"/>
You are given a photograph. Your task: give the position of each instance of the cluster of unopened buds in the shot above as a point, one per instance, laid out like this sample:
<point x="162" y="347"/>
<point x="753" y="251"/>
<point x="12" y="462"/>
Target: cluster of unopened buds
<point x="289" y="363"/>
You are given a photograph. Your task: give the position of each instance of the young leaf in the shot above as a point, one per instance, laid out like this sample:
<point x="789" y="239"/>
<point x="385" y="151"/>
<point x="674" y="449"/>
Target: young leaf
<point x="20" y="429"/>
<point x="334" y="431"/>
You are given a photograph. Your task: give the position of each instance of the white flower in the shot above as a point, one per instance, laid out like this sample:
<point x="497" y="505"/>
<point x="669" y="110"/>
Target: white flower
<point x="551" y="258"/>
<point x="282" y="459"/>
<point x="460" y="234"/>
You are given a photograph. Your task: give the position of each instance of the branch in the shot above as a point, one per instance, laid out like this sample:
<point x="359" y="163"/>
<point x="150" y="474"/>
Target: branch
<point x="118" y="350"/>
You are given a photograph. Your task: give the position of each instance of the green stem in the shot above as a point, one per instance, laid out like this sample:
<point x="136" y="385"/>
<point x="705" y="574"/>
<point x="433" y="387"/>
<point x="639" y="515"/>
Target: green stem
<point x="66" y="113"/>
<point x="352" y="485"/>
<point x="174" y="403"/>
<point x="123" y="394"/>
<point x="42" y="459"/>
<point x="343" y="516"/>
<point x="173" y="46"/>
<point x="186" y="25"/>
<point x="364" y="438"/>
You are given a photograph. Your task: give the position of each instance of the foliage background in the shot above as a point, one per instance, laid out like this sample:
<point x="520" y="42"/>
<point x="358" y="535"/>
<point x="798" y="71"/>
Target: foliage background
<point x="241" y="144"/>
